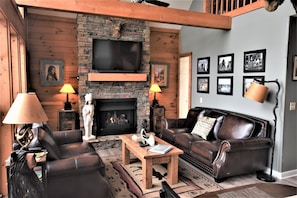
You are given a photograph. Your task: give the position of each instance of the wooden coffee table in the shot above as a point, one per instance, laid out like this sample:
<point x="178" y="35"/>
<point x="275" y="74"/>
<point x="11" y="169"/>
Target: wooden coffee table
<point x="148" y="159"/>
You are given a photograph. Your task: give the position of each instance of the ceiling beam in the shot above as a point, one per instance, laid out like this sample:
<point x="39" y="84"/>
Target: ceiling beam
<point x="134" y="11"/>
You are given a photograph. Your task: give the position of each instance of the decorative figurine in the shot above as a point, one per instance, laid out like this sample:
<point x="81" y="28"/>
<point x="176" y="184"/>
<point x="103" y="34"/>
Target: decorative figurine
<point x="88" y="113"/>
<point x="145" y="139"/>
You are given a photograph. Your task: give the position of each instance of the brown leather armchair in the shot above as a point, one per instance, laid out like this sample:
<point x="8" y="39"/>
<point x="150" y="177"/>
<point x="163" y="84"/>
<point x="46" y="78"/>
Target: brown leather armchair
<point x="73" y="168"/>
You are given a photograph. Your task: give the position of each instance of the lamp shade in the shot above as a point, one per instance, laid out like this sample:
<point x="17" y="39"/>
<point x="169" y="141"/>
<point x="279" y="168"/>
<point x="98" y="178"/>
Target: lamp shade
<point x="67" y="88"/>
<point x="26" y="109"/>
<point x="155" y="88"/>
<point x="256" y="92"/>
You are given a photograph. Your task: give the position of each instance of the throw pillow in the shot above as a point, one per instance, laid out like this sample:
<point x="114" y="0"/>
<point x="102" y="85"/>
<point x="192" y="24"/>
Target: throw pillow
<point x="203" y="126"/>
<point x="217" y="126"/>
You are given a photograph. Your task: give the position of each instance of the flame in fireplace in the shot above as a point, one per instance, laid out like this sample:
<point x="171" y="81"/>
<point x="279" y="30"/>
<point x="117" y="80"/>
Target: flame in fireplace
<point x="115" y="119"/>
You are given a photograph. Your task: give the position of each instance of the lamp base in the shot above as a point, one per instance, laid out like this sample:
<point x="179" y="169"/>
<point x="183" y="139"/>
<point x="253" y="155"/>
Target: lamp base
<point x="265" y="177"/>
<point x="155" y="103"/>
<point x="67" y="106"/>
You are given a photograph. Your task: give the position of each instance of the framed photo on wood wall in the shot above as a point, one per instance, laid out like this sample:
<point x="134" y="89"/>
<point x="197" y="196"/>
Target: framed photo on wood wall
<point x="51" y="72"/>
<point x="160" y="74"/>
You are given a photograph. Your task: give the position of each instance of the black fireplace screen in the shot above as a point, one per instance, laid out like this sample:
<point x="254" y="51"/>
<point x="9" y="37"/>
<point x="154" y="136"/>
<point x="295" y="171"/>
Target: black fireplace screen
<point x="115" y="116"/>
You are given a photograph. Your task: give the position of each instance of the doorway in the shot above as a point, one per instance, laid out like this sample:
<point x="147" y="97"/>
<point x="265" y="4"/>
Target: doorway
<point x="184" y="84"/>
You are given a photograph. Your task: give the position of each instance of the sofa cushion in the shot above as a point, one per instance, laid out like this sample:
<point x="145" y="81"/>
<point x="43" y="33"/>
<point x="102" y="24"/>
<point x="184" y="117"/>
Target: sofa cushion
<point x="205" y="151"/>
<point x="235" y="127"/>
<point x="203" y="126"/>
<point x="192" y="117"/>
<point x="184" y="140"/>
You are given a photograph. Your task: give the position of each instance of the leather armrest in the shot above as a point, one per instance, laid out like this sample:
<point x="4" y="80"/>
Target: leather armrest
<point x="246" y="144"/>
<point x="176" y="123"/>
<point x="72" y="166"/>
<point x="67" y="137"/>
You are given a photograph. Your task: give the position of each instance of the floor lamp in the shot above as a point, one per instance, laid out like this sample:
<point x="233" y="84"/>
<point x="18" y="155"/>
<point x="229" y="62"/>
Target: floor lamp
<point x="257" y="92"/>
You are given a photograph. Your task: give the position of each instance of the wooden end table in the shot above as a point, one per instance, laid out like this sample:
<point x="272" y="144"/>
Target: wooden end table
<point x="148" y="159"/>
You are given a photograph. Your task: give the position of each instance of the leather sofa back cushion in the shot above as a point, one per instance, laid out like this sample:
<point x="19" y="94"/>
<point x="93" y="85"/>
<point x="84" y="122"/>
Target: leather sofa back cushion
<point x="235" y="127"/>
<point x="192" y="118"/>
<point x="47" y="141"/>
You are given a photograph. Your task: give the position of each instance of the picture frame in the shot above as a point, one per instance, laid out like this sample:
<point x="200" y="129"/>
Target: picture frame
<point x="203" y="65"/>
<point x="203" y="84"/>
<point x="254" y="61"/>
<point x="51" y="72"/>
<point x="160" y="74"/>
<point x="295" y="68"/>
<point x="247" y="80"/>
<point x="225" y="63"/>
<point x="225" y="85"/>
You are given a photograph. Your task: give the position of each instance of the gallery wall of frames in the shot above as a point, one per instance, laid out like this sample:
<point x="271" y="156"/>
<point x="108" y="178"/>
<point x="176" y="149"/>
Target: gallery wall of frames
<point x="253" y="62"/>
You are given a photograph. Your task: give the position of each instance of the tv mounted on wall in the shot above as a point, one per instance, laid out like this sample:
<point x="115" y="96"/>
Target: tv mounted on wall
<point x="116" y="56"/>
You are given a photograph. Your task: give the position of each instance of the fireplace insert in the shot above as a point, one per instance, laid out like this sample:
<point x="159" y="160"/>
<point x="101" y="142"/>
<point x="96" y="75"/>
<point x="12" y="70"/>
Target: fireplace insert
<point x="115" y="116"/>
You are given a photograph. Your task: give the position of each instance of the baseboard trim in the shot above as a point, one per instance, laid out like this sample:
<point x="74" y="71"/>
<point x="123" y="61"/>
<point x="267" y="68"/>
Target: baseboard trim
<point x="282" y="175"/>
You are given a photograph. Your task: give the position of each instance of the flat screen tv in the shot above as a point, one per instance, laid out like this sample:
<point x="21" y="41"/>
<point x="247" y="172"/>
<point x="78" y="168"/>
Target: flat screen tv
<point x="116" y="56"/>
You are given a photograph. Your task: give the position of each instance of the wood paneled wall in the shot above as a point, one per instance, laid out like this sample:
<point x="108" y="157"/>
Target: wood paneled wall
<point x="165" y="49"/>
<point x="53" y="38"/>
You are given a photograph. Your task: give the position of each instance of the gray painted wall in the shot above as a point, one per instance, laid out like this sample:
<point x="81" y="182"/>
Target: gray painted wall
<point x="252" y="31"/>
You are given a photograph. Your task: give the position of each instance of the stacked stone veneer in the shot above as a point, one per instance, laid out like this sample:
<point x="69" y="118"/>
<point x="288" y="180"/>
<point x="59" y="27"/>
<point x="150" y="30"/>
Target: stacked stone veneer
<point x="91" y="26"/>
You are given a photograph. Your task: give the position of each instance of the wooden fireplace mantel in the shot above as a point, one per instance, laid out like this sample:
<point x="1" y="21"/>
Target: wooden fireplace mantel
<point x="117" y="77"/>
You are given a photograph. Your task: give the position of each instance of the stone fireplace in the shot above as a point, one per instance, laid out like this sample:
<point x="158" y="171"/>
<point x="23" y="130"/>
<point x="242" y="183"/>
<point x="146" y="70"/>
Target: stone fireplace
<point x="92" y="26"/>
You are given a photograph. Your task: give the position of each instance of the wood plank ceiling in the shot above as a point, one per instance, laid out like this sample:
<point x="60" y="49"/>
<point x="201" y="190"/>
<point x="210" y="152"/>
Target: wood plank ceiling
<point x="134" y="11"/>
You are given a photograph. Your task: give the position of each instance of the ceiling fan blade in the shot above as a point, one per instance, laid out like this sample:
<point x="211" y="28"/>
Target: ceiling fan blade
<point x="158" y="3"/>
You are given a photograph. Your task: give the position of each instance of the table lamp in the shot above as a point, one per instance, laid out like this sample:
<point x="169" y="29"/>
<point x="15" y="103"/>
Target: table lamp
<point x="25" y="110"/>
<point x="155" y="88"/>
<point x="67" y="88"/>
<point x="257" y="92"/>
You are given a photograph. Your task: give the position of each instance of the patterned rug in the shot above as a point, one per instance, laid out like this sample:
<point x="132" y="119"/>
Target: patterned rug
<point x="125" y="181"/>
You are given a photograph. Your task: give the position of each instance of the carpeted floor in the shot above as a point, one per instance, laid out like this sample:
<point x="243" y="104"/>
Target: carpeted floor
<point x="125" y="181"/>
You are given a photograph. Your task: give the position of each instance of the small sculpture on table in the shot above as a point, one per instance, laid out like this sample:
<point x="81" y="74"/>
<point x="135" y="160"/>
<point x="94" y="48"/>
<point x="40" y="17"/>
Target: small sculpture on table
<point x="88" y="114"/>
<point x="145" y="139"/>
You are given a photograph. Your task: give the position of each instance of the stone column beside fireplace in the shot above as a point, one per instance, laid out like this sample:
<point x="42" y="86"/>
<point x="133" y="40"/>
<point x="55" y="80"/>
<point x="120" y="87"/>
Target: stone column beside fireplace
<point x="92" y="26"/>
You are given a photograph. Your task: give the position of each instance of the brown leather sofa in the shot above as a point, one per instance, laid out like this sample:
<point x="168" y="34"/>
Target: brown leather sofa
<point x="237" y="144"/>
<point x="73" y="168"/>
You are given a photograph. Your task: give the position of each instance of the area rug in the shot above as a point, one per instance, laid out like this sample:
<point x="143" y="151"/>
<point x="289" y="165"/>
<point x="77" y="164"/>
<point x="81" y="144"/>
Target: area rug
<point x="125" y="181"/>
<point x="191" y="182"/>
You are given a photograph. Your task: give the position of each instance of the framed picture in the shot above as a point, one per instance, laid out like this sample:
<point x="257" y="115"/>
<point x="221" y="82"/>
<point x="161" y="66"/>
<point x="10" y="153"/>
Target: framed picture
<point x="51" y="72"/>
<point x="160" y="74"/>
<point x="225" y="63"/>
<point x="295" y="68"/>
<point x="225" y="85"/>
<point x="254" y="61"/>
<point x="203" y="65"/>
<point x="203" y="84"/>
<point x="247" y="80"/>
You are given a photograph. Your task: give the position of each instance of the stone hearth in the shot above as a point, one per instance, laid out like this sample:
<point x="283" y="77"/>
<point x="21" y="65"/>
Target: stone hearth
<point x="91" y="26"/>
